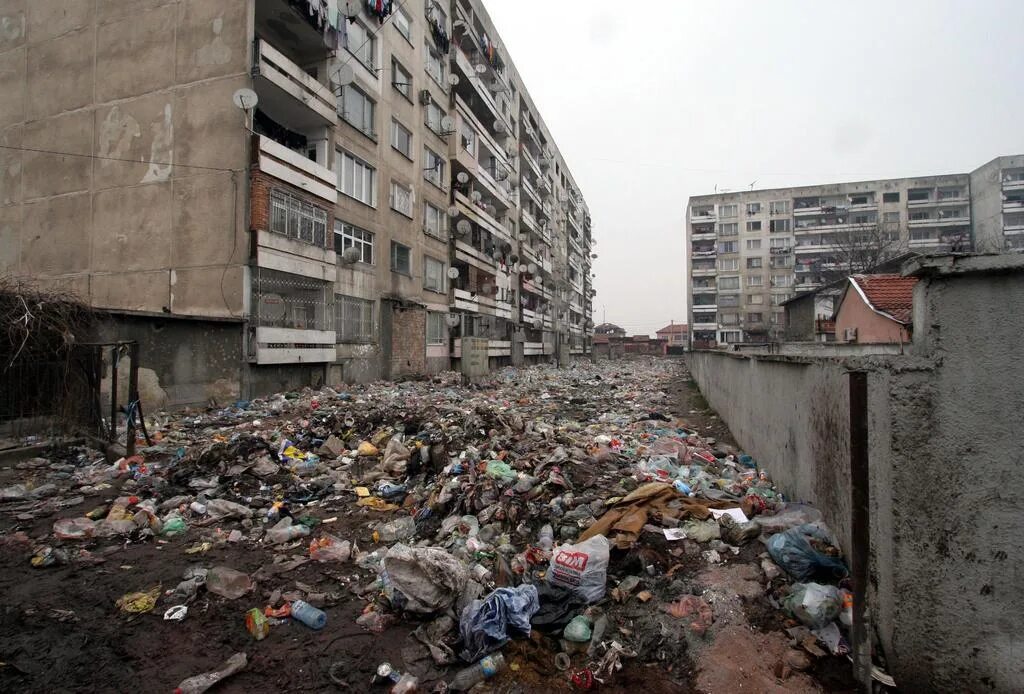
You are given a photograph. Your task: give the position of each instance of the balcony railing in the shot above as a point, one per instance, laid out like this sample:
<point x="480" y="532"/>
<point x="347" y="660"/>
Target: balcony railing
<point x="291" y="167"/>
<point x="288" y="92"/>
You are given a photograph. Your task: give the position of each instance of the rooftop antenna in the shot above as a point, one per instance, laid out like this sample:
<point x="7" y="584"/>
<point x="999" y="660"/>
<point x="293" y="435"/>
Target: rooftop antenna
<point x="752" y="183"/>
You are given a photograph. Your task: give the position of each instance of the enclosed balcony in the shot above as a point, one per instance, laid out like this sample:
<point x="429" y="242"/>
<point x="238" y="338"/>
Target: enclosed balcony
<point x="287" y="93"/>
<point x="298" y="28"/>
<point x="291" y="318"/>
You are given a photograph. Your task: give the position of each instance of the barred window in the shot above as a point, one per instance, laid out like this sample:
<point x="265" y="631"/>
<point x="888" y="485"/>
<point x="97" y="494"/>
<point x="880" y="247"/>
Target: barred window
<point x="296" y="219"/>
<point x="353" y="319"/>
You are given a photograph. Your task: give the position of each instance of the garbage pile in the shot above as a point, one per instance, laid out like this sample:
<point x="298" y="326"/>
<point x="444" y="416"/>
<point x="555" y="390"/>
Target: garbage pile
<point x="545" y="521"/>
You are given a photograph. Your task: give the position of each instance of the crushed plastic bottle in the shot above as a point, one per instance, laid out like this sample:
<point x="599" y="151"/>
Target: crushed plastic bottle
<point x="546" y="538"/>
<point x="285" y="531"/>
<point x="485" y="668"/>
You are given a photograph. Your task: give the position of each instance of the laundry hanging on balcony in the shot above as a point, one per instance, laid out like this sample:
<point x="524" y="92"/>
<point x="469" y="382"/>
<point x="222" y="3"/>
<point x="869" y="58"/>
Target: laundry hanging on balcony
<point x="440" y="36"/>
<point x="381" y="9"/>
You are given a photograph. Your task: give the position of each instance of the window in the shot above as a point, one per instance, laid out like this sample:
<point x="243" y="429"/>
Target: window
<point x="728" y="210"/>
<point x="433" y="166"/>
<point x="347" y="236"/>
<point x="754" y="226"/>
<point x="728" y="282"/>
<point x="779" y="225"/>
<point x="432" y="117"/>
<point x="755" y="280"/>
<point x="434" y="277"/>
<point x="779" y="242"/>
<point x="401" y="80"/>
<point x="778" y="299"/>
<point x="434" y="221"/>
<point x="356" y="178"/>
<point x="860" y="200"/>
<point x="755" y="262"/>
<point x="729" y="300"/>
<point x="781" y="261"/>
<point x="353" y="319"/>
<point x="728" y="247"/>
<point x="755" y="317"/>
<point x="753" y="244"/>
<point x="403" y="22"/>
<point x="918" y="195"/>
<point x="755" y="299"/>
<point x="782" y="281"/>
<point x="467" y="137"/>
<point x="890" y="197"/>
<point x="401" y="138"/>
<point x="923" y="235"/>
<point x="434" y="65"/>
<point x="730" y="229"/>
<point x="361" y="43"/>
<point x="729" y="264"/>
<point x="292" y="217"/>
<point x="920" y="215"/>
<point x="891" y="217"/>
<point x="401" y="199"/>
<point x="729" y="336"/>
<point x="730" y="319"/>
<point x="779" y="207"/>
<point x="401" y="259"/>
<point x="357" y="109"/>
<point x="437" y="328"/>
<point x="753" y="208"/>
<point x="949" y="194"/>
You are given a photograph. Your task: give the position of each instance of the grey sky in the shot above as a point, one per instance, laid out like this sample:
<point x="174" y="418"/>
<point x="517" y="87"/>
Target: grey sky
<point x="653" y="102"/>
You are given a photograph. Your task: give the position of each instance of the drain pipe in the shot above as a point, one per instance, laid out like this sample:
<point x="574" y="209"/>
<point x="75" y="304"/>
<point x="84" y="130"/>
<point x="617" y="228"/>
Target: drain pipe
<point x="860" y="522"/>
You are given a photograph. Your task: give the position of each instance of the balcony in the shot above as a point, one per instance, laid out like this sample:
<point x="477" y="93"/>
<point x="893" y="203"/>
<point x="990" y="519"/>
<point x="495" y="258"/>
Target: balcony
<point x="482" y="218"/>
<point x="1013" y="180"/>
<point x="475" y="94"/>
<point x="478" y="303"/>
<point x="291" y="319"/>
<point x="475" y="257"/>
<point x="294" y="30"/>
<point x="700" y="217"/>
<point x="287" y="93"/>
<point x="1013" y="205"/>
<point x="704" y="252"/>
<point x="702" y="235"/>
<point x="703" y="272"/>
<point x="295" y="169"/>
<point x="530" y="192"/>
<point x="705" y="307"/>
<point x="495" y="348"/>
<point x="705" y="326"/>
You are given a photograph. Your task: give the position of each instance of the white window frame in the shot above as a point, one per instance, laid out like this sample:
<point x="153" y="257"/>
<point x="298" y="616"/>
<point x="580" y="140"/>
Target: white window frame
<point x="353" y="236"/>
<point x="433" y="171"/>
<point x="778" y="207"/>
<point x="754" y="208"/>
<point x="758" y="259"/>
<point x="755" y="225"/>
<point x="356" y="178"/>
<point x="727" y="283"/>
<point x="401" y="198"/>
<point x="433" y="65"/>
<point x="728" y="247"/>
<point x="361" y="43"/>
<point x="753" y="244"/>
<point x="435" y="278"/>
<point x="783" y="281"/>
<point x="403" y="86"/>
<point x="729" y="264"/>
<point x="755" y="299"/>
<point x="755" y="280"/>
<point x="398" y="129"/>
<point x="437" y="328"/>
<point x="729" y="229"/>
<point x="728" y="210"/>
<point x="398" y="250"/>
<point x="297" y="219"/>
<point x="403" y="22"/>
<point x="433" y="111"/>
<point x="434" y="221"/>
<point x="361" y="115"/>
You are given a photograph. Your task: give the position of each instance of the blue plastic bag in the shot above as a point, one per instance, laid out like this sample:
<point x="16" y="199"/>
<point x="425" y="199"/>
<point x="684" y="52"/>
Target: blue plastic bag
<point x="487" y="625"/>
<point x="792" y="551"/>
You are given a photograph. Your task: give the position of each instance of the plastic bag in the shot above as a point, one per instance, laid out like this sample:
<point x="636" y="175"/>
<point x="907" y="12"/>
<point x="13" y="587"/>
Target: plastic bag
<point x="557" y="607"/>
<point x="403" y="528"/>
<point x="814" y="604"/>
<point x="74" y="528"/>
<point x="487" y="625"/>
<point x="426" y="579"/>
<point x="330" y="548"/>
<point x="791" y="516"/>
<point x="499" y="470"/>
<point x="792" y="551"/>
<point x="582" y="568"/>
<point x="396" y="458"/>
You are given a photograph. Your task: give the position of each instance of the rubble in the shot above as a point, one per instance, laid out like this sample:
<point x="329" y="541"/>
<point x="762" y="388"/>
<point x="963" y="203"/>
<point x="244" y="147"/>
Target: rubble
<point x="563" y="518"/>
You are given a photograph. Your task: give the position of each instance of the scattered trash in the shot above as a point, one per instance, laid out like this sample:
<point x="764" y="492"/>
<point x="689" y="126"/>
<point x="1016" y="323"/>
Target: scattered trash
<point x="139" y="602"/>
<point x="582" y="568"/>
<point x="489" y="624"/>
<point x="793" y="552"/>
<point x="312" y="617"/>
<point x="201" y="683"/>
<point x="256" y="623"/>
<point x="227" y="582"/>
<point x="176" y="613"/>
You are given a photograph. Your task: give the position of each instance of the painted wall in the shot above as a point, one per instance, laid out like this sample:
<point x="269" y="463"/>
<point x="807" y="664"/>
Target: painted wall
<point x="871" y="327"/>
<point x="945" y="468"/>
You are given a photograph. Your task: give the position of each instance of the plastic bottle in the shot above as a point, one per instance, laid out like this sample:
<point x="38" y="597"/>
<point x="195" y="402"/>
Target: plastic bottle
<point x="682" y="487"/>
<point x="478" y="672"/>
<point x="284" y="531"/>
<point x="307" y="614"/>
<point x="546" y="538"/>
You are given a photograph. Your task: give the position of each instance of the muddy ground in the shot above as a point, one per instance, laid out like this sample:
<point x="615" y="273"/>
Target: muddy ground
<point x="61" y="632"/>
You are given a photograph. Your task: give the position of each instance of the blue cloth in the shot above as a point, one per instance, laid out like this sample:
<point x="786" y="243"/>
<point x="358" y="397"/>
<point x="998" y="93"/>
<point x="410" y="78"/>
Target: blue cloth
<point x="487" y="625"/>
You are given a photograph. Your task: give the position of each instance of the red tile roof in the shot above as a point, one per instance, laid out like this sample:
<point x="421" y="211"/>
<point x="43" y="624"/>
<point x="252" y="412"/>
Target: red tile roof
<point x="892" y="295"/>
<point x="675" y="328"/>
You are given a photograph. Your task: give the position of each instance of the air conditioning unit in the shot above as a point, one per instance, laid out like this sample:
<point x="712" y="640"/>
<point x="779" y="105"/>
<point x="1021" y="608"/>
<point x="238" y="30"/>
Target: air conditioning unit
<point x="425" y="97"/>
<point x="849" y="334"/>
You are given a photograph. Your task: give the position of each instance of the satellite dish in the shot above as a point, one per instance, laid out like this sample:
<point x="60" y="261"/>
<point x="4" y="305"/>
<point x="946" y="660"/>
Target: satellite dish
<point x="475" y="196"/>
<point x="272" y="306"/>
<point x="453" y="273"/>
<point x="346" y="74"/>
<point x="531" y="268"/>
<point x="463" y="227"/>
<point x="522" y="268"/>
<point x="350" y="255"/>
<point x="447" y="123"/>
<point x="462" y="177"/>
<point x="538" y="321"/>
<point x="245" y="99"/>
<point x="593" y="255"/>
<point x="452" y="319"/>
<point x="480" y="68"/>
<point x="453" y="211"/>
<point x="499" y="127"/>
<point x="486" y="288"/>
<point x="514" y="259"/>
<point x="453" y="79"/>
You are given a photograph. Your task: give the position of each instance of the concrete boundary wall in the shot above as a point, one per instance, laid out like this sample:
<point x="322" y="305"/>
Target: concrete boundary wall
<point x="946" y="476"/>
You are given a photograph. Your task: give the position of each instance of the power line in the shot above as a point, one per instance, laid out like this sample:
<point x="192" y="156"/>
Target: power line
<point x="370" y="37"/>
<point x="130" y="161"/>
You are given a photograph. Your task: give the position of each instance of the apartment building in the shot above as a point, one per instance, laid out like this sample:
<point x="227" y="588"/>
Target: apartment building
<point x="272" y="193"/>
<point x="750" y="251"/>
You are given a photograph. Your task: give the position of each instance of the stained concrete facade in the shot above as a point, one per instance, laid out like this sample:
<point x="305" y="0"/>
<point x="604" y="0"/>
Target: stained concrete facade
<point x="997" y="203"/>
<point x="944" y="450"/>
<point x="133" y="180"/>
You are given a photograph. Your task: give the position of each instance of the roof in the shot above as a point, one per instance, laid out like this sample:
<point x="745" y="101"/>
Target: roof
<point x="889" y="295"/>
<point x="675" y="328"/>
<point x="608" y="328"/>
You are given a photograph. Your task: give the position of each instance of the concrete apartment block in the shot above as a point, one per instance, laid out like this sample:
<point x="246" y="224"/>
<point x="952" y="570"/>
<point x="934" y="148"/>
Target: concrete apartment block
<point x="747" y="252"/>
<point x="342" y="228"/>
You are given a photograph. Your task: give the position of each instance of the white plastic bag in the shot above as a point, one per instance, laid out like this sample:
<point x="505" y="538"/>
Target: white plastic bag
<point x="581" y="568"/>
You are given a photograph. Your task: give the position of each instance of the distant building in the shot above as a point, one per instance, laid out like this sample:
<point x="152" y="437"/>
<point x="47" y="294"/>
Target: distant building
<point x="876" y="309"/>
<point x="609" y="329"/>
<point x="809" y="316"/>
<point x="676" y="337"/>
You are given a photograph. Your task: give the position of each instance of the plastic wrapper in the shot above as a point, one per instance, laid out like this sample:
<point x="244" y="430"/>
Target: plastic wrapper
<point x="426" y="579"/>
<point x="582" y="568"/>
<point x="487" y="625"/>
<point x="813" y="604"/>
<point x="793" y="552"/>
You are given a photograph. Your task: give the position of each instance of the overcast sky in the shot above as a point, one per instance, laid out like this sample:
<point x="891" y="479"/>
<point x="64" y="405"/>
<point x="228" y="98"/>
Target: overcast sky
<point x="653" y="102"/>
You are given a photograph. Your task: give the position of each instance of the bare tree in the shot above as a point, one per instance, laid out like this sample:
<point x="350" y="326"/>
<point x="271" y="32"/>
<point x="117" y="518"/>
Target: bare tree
<point x="859" y="248"/>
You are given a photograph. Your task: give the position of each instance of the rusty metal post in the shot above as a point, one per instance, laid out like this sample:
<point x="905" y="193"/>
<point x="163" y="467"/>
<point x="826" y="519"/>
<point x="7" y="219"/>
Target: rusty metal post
<point x="860" y="526"/>
<point x="113" y="393"/>
<point x="133" y="397"/>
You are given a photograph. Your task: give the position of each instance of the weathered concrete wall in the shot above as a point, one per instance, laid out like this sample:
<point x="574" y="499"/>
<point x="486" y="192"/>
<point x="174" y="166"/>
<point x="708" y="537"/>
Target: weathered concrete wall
<point x="264" y="380"/>
<point x="945" y="478"/>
